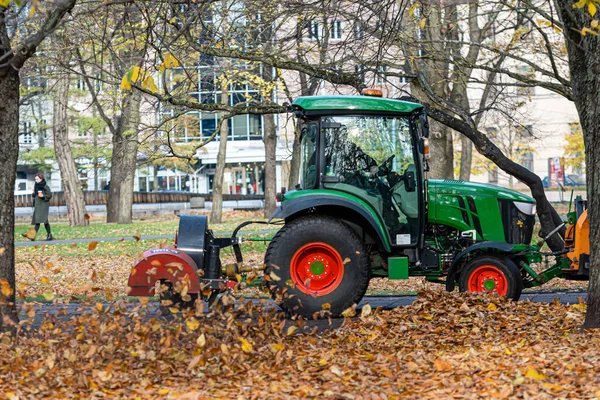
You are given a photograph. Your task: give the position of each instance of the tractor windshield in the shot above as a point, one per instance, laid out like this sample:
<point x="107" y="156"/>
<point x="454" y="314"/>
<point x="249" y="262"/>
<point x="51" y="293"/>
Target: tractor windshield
<point x="373" y="158"/>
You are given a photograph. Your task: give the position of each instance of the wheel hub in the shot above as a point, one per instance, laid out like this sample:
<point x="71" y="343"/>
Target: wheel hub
<point x="316" y="269"/>
<point x="488" y="278"/>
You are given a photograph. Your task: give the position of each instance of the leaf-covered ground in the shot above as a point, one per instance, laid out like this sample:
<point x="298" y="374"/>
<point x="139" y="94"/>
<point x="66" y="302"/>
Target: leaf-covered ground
<point x="445" y="345"/>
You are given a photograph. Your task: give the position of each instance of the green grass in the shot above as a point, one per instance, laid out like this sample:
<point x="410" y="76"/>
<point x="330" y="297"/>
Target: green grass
<point x="141" y="227"/>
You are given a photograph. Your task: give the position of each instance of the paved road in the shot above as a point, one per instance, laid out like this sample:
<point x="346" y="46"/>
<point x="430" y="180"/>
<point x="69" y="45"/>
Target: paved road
<point x="118" y="239"/>
<point x="67" y="311"/>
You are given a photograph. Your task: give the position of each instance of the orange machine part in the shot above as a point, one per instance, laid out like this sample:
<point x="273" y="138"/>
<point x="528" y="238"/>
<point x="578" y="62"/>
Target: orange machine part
<point x="578" y="237"/>
<point x="163" y="264"/>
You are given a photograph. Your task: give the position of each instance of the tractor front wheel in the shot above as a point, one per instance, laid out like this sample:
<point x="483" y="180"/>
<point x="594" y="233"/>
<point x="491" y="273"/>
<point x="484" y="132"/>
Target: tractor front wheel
<point x="492" y="274"/>
<point x="317" y="263"/>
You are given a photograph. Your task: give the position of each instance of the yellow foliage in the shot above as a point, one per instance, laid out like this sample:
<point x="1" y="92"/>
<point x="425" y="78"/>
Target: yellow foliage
<point x="4" y="3"/>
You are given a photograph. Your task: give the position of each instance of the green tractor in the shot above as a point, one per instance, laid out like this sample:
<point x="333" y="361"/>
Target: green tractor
<point x="364" y="209"/>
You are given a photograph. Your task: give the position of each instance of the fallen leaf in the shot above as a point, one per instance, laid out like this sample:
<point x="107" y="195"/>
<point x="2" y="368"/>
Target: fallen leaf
<point x="92" y="246"/>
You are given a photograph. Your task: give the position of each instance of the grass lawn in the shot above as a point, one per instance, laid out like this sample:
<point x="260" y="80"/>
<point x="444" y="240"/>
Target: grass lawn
<point x="164" y="225"/>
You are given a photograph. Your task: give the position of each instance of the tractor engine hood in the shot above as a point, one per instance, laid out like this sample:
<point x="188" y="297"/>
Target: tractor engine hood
<point x="454" y="187"/>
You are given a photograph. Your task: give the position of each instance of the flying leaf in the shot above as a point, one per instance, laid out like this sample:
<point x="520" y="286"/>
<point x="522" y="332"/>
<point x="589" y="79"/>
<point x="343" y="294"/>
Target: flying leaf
<point x="2" y="250"/>
<point x="87" y="216"/>
<point x="274" y="276"/>
<point x="291" y="330"/>
<point x="31" y="233"/>
<point x="137" y="236"/>
<point x="366" y="311"/>
<point x="6" y="289"/>
<point x="349" y="312"/>
<point x="92" y="246"/>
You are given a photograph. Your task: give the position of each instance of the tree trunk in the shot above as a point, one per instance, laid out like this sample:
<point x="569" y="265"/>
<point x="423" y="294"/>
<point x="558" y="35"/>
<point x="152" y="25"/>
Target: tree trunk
<point x="584" y="65"/>
<point x="270" y="141"/>
<point x="217" y="193"/>
<point x="155" y="177"/>
<point x="9" y="143"/>
<point x="466" y="158"/>
<point x="64" y="156"/>
<point x="123" y="162"/>
<point x="441" y="166"/>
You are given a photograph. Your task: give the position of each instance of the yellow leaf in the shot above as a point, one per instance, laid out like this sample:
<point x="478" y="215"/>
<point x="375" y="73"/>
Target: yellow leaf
<point x="322" y="362"/>
<point x="413" y="8"/>
<point x="125" y="84"/>
<point x="246" y="345"/>
<point x="422" y="23"/>
<point x="45" y="280"/>
<point x="224" y="349"/>
<point x="149" y="84"/>
<point x="99" y="307"/>
<point x="553" y="386"/>
<point x="508" y="352"/>
<point x="201" y="341"/>
<point x="48" y="295"/>
<point x="592" y="8"/>
<point x="6" y="289"/>
<point x="30" y="234"/>
<point x="291" y="330"/>
<point x="366" y="310"/>
<point x="2" y="250"/>
<point x="349" y="312"/>
<point x="192" y="324"/>
<point x="532" y="373"/>
<point x="326" y="306"/>
<point x="492" y="307"/>
<point x="170" y="61"/>
<point x="277" y="346"/>
<point x="584" y="31"/>
<point x="428" y="317"/>
<point x="135" y="73"/>
<point x="274" y="276"/>
<point x="92" y="246"/>
<point x="580" y="4"/>
<point x="594" y="23"/>
<point x="4" y="3"/>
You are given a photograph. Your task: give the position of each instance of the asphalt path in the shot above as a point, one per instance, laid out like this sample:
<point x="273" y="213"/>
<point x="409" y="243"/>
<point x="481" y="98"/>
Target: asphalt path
<point x="68" y="311"/>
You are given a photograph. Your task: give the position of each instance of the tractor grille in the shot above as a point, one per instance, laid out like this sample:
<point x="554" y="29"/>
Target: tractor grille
<point x="518" y="227"/>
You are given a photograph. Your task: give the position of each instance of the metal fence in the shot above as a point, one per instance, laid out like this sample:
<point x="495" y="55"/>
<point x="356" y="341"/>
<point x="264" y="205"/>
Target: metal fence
<point x="101" y="197"/>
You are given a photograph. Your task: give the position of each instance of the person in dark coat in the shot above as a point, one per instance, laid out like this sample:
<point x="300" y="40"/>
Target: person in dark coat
<point x="41" y="204"/>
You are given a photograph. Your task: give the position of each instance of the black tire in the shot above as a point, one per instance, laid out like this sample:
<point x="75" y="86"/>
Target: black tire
<point x="350" y="285"/>
<point x="502" y="268"/>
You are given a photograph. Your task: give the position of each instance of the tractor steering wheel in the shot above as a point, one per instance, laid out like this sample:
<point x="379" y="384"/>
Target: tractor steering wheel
<point x="386" y="167"/>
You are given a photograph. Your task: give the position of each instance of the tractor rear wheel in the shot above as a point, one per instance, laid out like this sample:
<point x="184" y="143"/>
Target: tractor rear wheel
<point x="317" y="263"/>
<point x="492" y="274"/>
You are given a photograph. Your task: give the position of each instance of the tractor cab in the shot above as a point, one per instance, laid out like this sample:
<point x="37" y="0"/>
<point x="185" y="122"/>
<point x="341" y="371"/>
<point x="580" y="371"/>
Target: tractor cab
<point x="368" y="151"/>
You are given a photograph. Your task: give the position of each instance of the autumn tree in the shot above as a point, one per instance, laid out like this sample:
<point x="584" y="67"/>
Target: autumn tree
<point x="16" y="47"/>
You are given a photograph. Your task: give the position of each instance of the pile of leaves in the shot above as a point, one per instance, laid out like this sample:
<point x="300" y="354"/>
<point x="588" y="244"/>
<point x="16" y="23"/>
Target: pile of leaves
<point x="444" y="345"/>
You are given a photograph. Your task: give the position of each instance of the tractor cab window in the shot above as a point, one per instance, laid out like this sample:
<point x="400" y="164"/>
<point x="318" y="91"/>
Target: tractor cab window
<point x="308" y="155"/>
<point x="373" y="158"/>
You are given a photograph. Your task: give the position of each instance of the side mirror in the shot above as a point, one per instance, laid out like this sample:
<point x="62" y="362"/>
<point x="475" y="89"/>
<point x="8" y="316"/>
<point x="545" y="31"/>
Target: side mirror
<point x="409" y="181"/>
<point x="424" y="125"/>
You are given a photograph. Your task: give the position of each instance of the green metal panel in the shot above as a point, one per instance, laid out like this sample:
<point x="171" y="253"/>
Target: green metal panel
<point x="323" y="193"/>
<point x="355" y="103"/>
<point x="470" y="206"/>
<point x="398" y="267"/>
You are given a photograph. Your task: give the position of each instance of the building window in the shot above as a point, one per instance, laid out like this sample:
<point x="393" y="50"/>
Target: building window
<point x="313" y="30"/>
<point x="80" y="83"/>
<point x="27" y="135"/>
<point x="359" y="32"/>
<point x="81" y="129"/>
<point x="43" y="129"/>
<point x="359" y="70"/>
<point x="527" y="160"/>
<point x="524" y="131"/>
<point x="493" y="174"/>
<point x="381" y="74"/>
<point x="336" y="29"/>
<point x="528" y="72"/>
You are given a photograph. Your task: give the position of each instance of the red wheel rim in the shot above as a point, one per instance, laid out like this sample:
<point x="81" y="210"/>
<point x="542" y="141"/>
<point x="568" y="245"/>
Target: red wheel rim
<point x="488" y="278"/>
<point x="317" y="269"/>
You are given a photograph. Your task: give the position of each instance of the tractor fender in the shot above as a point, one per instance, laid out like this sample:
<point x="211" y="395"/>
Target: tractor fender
<point x="299" y="204"/>
<point x="163" y="264"/>
<point x="501" y="247"/>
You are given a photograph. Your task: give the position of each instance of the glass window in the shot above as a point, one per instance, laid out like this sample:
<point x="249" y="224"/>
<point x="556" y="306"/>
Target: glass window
<point x="308" y="156"/>
<point x="239" y="127"/>
<point x="255" y="126"/>
<point x="209" y="124"/>
<point x="336" y="29"/>
<point x="373" y="159"/>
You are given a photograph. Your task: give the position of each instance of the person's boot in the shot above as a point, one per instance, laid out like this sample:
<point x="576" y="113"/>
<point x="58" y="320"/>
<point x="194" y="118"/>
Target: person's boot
<point x="49" y="237"/>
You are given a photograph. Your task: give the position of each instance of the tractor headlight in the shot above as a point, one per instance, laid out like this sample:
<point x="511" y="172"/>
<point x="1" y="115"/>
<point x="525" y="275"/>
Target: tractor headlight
<point x="525" y="208"/>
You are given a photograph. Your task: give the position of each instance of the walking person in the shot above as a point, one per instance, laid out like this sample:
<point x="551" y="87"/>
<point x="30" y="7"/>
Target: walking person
<point x="41" y="204"/>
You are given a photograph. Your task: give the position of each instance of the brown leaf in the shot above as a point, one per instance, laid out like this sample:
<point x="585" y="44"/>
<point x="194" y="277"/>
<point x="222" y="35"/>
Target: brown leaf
<point x="92" y="246"/>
